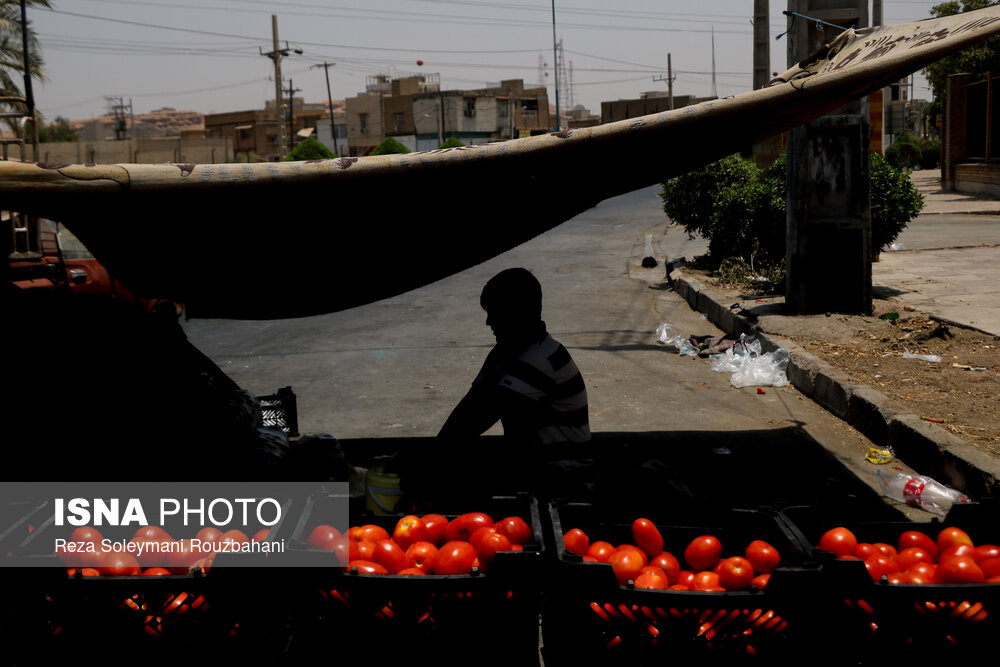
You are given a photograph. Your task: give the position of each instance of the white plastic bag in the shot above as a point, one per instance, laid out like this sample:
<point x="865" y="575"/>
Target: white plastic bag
<point x="933" y="358"/>
<point x="666" y="333"/>
<point x="750" y="368"/>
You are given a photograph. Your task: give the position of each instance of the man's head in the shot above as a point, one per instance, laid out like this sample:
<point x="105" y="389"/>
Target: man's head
<point x="512" y="300"/>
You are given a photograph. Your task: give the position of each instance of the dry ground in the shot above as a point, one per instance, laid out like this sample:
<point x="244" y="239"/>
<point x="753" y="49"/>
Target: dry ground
<point x="961" y="392"/>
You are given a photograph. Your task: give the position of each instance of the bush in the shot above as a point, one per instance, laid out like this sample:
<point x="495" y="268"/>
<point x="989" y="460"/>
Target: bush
<point x="689" y="199"/>
<point x="310" y="149"/>
<point x="388" y="147"/>
<point x="903" y="155"/>
<point x="451" y="142"/>
<point x="895" y="201"/>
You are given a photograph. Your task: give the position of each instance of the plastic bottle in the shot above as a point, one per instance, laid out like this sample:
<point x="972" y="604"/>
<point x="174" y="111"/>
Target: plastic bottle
<point x="920" y="491"/>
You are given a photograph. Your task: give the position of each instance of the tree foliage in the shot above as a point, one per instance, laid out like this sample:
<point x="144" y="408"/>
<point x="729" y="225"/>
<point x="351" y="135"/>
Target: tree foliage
<point x="977" y="60"/>
<point x="451" y="142"/>
<point x="310" y="148"/>
<point x="11" y="51"/>
<point x="388" y="147"/>
<point x="57" y="130"/>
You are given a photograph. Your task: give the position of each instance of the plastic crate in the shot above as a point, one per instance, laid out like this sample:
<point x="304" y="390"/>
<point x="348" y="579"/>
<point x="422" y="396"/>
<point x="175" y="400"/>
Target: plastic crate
<point x="280" y="411"/>
<point x="879" y="620"/>
<point x="226" y="612"/>
<point x="383" y="618"/>
<point x="588" y="616"/>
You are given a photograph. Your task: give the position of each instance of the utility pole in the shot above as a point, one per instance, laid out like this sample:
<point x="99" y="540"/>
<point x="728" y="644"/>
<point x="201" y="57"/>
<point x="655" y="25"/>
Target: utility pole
<point x="329" y="100"/>
<point x="276" y="54"/>
<point x="670" y="83"/>
<point x="291" y="106"/>
<point x="555" y="54"/>
<point x="29" y="96"/>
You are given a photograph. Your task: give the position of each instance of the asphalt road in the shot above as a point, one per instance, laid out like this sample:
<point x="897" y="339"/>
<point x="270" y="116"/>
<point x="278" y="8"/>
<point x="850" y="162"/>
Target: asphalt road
<point x="395" y="368"/>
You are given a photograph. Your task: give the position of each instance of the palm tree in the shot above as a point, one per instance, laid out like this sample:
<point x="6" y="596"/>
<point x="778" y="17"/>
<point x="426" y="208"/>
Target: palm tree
<point x="11" y="48"/>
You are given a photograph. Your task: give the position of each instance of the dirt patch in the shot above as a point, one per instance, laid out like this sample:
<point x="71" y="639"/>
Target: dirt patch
<point x="961" y="392"/>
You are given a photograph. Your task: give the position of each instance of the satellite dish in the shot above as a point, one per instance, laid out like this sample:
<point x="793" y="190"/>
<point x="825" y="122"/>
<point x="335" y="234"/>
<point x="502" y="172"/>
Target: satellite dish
<point x="420" y="62"/>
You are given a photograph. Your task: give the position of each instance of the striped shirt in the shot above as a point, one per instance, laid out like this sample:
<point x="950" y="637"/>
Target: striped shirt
<point x="545" y="373"/>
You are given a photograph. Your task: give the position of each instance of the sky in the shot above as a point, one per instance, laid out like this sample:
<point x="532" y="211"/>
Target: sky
<point x="211" y="55"/>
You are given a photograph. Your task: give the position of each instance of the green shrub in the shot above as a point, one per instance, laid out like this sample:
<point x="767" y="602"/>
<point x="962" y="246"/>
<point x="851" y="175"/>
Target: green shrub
<point x="688" y="199"/>
<point x="388" y="147"/>
<point x="451" y="142"/>
<point x="903" y="155"/>
<point x="309" y="149"/>
<point x="895" y="201"/>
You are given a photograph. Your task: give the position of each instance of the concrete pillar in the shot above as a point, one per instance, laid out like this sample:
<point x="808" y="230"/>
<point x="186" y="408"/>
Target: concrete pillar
<point x="829" y="206"/>
<point x="953" y="139"/>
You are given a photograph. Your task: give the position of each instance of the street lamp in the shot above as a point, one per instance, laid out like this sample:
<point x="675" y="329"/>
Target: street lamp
<point x="276" y="55"/>
<point x="329" y="101"/>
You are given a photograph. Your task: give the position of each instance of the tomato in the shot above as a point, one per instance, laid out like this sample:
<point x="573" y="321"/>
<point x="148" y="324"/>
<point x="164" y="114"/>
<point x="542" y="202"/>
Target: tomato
<point x="412" y="570"/>
<point x="685" y="578"/>
<point x="369" y="532"/>
<point x="666" y="562"/>
<point x="736" y="573"/>
<point x="911" y="555"/>
<point x="601" y="550"/>
<point x="391" y="556"/>
<point x="647" y="536"/>
<point x="156" y="572"/>
<point x="886" y="550"/>
<point x="986" y="551"/>
<point x="761" y="580"/>
<point x="120" y="564"/>
<point x="703" y="552"/>
<point x="366" y="567"/>
<point x="916" y="538"/>
<point x="706" y="581"/>
<point x="576" y="541"/>
<point x="408" y="530"/>
<point x="897" y="578"/>
<point x="958" y="570"/>
<point x="866" y="550"/>
<point x="921" y="573"/>
<point x="234" y="536"/>
<point x="84" y="572"/>
<point x="86" y="534"/>
<point x="656" y="572"/>
<point x="435" y="525"/>
<point x="627" y="565"/>
<point x="363" y="550"/>
<point x="455" y="557"/>
<point x="464" y="525"/>
<point x="515" y="529"/>
<point x="422" y="555"/>
<point x="990" y="566"/>
<point x="209" y="535"/>
<point x="839" y="541"/>
<point x="651" y="581"/>
<point x="488" y="546"/>
<point x="261" y="535"/>
<point x="949" y="536"/>
<point x="181" y="556"/>
<point x="642" y="554"/>
<point x="762" y="556"/>
<point x="153" y="533"/>
<point x="880" y="565"/>
<point x="960" y="549"/>
<point x="324" y="537"/>
<point x="479" y="534"/>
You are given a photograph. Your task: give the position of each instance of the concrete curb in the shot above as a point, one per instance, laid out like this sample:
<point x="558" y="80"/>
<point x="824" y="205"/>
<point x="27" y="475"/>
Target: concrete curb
<point x="926" y="447"/>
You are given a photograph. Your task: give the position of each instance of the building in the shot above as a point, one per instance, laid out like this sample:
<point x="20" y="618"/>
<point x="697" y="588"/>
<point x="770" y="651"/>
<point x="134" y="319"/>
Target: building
<point x="646" y="104"/>
<point x="255" y="132"/>
<point x="336" y="139"/>
<point x="968" y="153"/>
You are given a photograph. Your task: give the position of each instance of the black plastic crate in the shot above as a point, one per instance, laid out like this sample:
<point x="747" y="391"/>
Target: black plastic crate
<point x="588" y="616"/>
<point x="280" y="411"/>
<point x="385" y="617"/>
<point x="876" y="621"/>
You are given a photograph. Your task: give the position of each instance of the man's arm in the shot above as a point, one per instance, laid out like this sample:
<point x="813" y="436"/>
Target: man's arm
<point x="473" y="416"/>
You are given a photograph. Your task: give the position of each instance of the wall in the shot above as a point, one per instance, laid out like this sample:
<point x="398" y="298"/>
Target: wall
<point x="137" y="151"/>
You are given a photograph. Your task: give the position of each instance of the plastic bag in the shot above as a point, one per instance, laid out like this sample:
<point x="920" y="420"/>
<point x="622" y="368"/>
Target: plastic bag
<point x="923" y="357"/>
<point x="751" y="368"/>
<point x="668" y="334"/>
<point x="920" y="491"/>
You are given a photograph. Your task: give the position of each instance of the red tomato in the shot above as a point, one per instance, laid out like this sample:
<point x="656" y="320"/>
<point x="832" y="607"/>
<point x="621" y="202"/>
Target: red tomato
<point x="515" y="529"/>
<point x="921" y="573"/>
<point x="656" y="572"/>
<point x="366" y="567"/>
<point x="990" y="567"/>
<point x="916" y="538"/>
<point x="736" y="573"/>
<point x="455" y="557"/>
<point x="84" y="572"/>
<point x="685" y="578"/>
<point x="412" y="570"/>
<point x="866" y="550"/>
<point x="949" y="536"/>
<point x="650" y="581"/>
<point x="156" y="572"/>
<point x="119" y="565"/>
<point x="261" y="535"/>
<point x="642" y="554"/>
<point x="911" y="555"/>
<point x="391" y="556"/>
<point x="576" y="541"/>
<point x="960" y="549"/>
<point x="324" y="537"/>
<point x="762" y="556"/>
<point x="234" y="536"/>
<point x="488" y="546"/>
<point x="986" y="551"/>
<point x="153" y="533"/>
<point x="666" y="562"/>
<point x="422" y="555"/>
<point x="627" y="565"/>
<point x="958" y="570"/>
<point x="886" y="550"/>
<point x="209" y="535"/>
<point x="880" y="565"/>
<point x="706" y="581"/>
<point x="464" y="525"/>
<point x="703" y="552"/>
<point x="363" y="550"/>
<point x="897" y="578"/>
<point x="436" y="525"/>
<point x="761" y="580"/>
<point x="601" y="550"/>
<point x="86" y="534"/>
<point x="647" y="536"/>
<point x="839" y="541"/>
<point x="370" y="532"/>
<point x="479" y="534"/>
<point x="408" y="530"/>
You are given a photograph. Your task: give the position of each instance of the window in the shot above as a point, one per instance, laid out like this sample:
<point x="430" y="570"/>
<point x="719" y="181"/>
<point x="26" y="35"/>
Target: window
<point x="470" y="106"/>
<point x="529" y="107"/>
<point x="503" y="108"/>
<point x="398" y="120"/>
<point x="363" y="120"/>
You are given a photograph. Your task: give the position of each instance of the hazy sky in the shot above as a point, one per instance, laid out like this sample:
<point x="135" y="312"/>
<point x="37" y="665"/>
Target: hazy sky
<point x="205" y="55"/>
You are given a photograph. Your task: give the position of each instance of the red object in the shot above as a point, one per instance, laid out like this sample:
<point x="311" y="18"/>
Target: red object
<point x="576" y="541"/>
<point x="515" y="529"/>
<point x="408" y="530"/>
<point x="646" y="535"/>
<point x="760" y="390"/>
<point x="763" y="556"/>
<point x="735" y="573"/>
<point x="703" y="553"/>
<point x="455" y="557"/>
